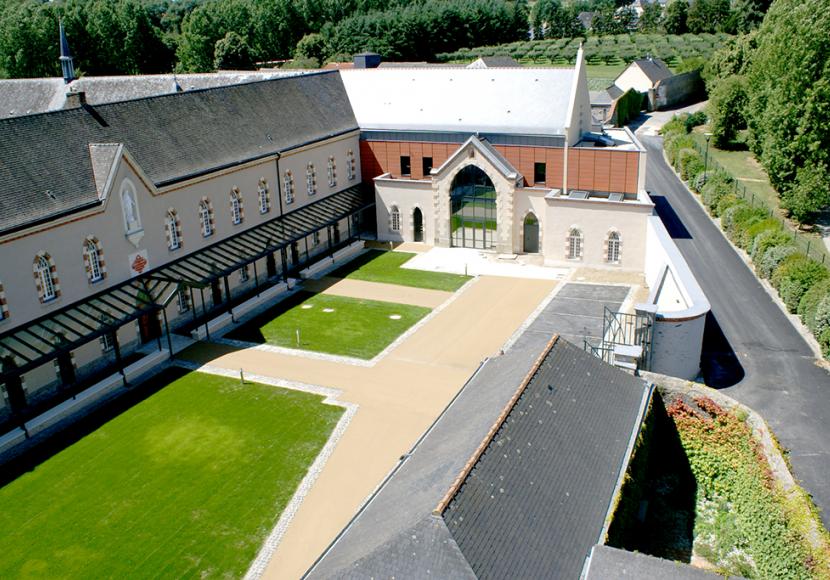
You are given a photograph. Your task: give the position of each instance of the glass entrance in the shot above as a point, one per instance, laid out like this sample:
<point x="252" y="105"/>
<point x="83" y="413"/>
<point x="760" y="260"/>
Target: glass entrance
<point x="473" y="210"/>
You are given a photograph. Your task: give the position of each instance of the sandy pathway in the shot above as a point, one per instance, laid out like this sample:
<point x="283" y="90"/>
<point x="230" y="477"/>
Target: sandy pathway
<point x="378" y="291"/>
<point x="398" y="399"/>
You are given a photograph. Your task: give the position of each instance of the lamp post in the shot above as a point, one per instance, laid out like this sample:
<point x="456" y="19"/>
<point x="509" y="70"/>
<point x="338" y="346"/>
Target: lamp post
<point x="706" y="156"/>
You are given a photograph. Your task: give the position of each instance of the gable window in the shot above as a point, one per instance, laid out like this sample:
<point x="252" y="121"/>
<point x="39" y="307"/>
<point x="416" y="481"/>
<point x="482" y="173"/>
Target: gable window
<point x="426" y="165"/>
<point x="183" y="300"/>
<point x="332" y="175"/>
<point x="288" y="187"/>
<point x="46" y="278"/>
<point x="395" y="219"/>
<point x="539" y="173"/>
<point x="613" y="250"/>
<point x="264" y="201"/>
<point x="574" y="244"/>
<point x="236" y="207"/>
<point x="310" y="179"/>
<point x="350" y="165"/>
<point x="174" y="231"/>
<point x="205" y="218"/>
<point x="406" y="166"/>
<point x="92" y="260"/>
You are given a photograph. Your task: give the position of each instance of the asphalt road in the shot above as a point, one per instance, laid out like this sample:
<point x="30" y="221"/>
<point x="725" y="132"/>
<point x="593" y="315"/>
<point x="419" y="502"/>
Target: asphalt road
<point x="751" y="349"/>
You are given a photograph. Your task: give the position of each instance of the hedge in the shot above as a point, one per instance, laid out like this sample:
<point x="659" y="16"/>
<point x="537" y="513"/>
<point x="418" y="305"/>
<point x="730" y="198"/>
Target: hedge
<point x="767" y="240"/>
<point x="727" y="201"/>
<point x="742" y="218"/>
<point x="808" y="308"/>
<point x="689" y="163"/>
<point x="794" y="276"/>
<point x="746" y="239"/>
<point x="772" y="258"/>
<point x="718" y="185"/>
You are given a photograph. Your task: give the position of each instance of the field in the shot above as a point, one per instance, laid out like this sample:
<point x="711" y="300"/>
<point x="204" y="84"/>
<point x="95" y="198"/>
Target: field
<point x="186" y="483"/>
<point x="380" y="266"/>
<point x="615" y="51"/>
<point x="331" y="324"/>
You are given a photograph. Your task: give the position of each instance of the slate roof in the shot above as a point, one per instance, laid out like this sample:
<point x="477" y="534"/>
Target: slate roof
<point x="609" y="563"/>
<point x="654" y="68"/>
<point x="172" y="137"/>
<point x="541" y="482"/>
<point x="494" y="62"/>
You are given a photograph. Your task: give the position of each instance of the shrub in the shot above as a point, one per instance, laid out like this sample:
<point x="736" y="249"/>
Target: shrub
<point x="794" y="276"/>
<point x="676" y="143"/>
<point x="809" y="306"/>
<point x="727" y="201"/>
<point x="772" y="257"/>
<point x="694" y="120"/>
<point x="768" y="239"/>
<point x="717" y="186"/>
<point x="728" y="215"/>
<point x="698" y="181"/>
<point x="824" y="341"/>
<point x="677" y="126"/>
<point x="752" y="231"/>
<point x="689" y="163"/>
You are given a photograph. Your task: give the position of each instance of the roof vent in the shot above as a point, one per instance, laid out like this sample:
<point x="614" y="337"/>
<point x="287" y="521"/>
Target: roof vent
<point x="578" y="194"/>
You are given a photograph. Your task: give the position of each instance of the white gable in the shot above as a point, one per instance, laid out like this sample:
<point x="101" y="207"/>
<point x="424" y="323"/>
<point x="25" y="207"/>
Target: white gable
<point x="526" y="101"/>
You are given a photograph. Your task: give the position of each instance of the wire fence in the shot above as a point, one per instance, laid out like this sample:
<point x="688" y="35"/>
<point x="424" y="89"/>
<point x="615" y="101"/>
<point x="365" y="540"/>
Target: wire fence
<point x="813" y="248"/>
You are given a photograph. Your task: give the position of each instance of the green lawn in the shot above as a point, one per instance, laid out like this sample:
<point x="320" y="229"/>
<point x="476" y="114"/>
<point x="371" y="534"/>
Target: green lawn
<point x="356" y="328"/>
<point x="382" y="266"/>
<point x="187" y="483"/>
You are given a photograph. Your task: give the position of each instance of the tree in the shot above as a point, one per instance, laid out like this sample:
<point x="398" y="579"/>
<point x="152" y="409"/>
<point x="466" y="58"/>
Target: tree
<point x="28" y="36"/>
<point x="708" y="16"/>
<point x="727" y="103"/>
<point x="651" y="20"/>
<point x="809" y="194"/>
<point x="550" y="19"/>
<point x="748" y="14"/>
<point x="311" y="46"/>
<point x="676" y="14"/>
<point x="731" y="59"/>
<point x="233" y="53"/>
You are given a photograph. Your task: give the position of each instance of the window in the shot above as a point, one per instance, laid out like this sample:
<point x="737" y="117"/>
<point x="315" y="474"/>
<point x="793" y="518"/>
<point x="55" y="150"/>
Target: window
<point x="264" y="200"/>
<point x="315" y="239"/>
<point x="332" y="175"/>
<point x="174" y="232"/>
<point x="4" y="306"/>
<point x="92" y="260"/>
<point x="236" y="207"/>
<point x="539" y="171"/>
<point x="288" y="187"/>
<point x="395" y="220"/>
<point x="350" y="165"/>
<point x="244" y="274"/>
<point x="406" y="166"/>
<point x="613" y="251"/>
<point x="426" y="165"/>
<point x="205" y="218"/>
<point x="107" y="339"/>
<point x="574" y="244"/>
<point x="310" y="179"/>
<point x="45" y="278"/>
<point x="183" y="300"/>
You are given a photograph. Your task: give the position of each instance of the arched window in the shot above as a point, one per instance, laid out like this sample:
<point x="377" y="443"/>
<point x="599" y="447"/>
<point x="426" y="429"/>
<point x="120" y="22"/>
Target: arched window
<point x="350" y="165"/>
<point x="46" y="278"/>
<point x="574" y="244"/>
<point x="93" y="260"/>
<point x="614" y="246"/>
<point x="205" y="218"/>
<point x="395" y="219"/>
<point x="288" y="187"/>
<point x="331" y="173"/>
<point x="310" y="180"/>
<point x="236" y="207"/>
<point x="174" y="230"/>
<point x="4" y="306"/>
<point x="264" y="201"/>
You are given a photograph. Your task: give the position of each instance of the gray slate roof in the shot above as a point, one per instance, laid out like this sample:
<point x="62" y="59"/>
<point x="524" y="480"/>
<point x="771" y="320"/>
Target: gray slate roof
<point x="541" y="530"/>
<point x="609" y="563"/>
<point x="654" y="68"/>
<point x="172" y="137"/>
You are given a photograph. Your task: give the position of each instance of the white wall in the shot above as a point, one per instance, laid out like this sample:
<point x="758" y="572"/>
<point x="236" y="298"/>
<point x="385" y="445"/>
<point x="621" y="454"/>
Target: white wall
<point x="633" y="78"/>
<point x="406" y="195"/>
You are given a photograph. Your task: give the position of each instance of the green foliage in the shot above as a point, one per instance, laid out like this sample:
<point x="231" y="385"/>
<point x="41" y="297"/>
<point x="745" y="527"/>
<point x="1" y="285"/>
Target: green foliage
<point x="822" y="319"/>
<point x="731" y="59"/>
<point x="794" y="276"/>
<point x="751" y="231"/>
<point x="808" y="307"/>
<point x="728" y="215"/>
<point x="726" y="110"/>
<point x="772" y="258"/>
<point x="695" y="120"/>
<point x="769" y="239"/>
<point x="386" y="268"/>
<point x="677" y="13"/>
<point x="550" y="19"/>
<point x="689" y="163"/>
<point x="628" y="107"/>
<point x="727" y="201"/>
<point x="788" y="88"/>
<point x="742" y="218"/>
<point x="717" y="186"/>
<point x="232" y="53"/>
<point x="709" y="16"/>
<point x="731" y="472"/>
<point x="311" y="46"/>
<point x="651" y="20"/>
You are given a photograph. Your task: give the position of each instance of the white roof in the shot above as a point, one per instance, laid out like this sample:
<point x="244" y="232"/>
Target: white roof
<point x="528" y="101"/>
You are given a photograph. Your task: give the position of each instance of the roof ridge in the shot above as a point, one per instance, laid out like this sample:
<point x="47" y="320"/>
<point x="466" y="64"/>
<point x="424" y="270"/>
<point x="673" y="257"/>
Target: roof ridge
<point x="468" y="467"/>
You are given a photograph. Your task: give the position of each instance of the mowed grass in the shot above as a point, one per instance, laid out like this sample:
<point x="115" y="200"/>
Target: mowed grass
<point x="187" y="483"/>
<point x="332" y="324"/>
<point x="382" y="266"/>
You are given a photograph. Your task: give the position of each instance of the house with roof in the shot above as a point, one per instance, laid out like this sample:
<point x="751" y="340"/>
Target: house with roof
<point x="642" y="75"/>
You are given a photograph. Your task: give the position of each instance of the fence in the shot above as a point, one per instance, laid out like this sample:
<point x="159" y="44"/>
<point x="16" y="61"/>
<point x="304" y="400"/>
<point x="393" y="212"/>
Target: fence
<point x="811" y="247"/>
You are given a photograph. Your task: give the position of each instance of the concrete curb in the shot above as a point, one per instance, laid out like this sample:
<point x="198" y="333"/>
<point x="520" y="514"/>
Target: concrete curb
<point x="773" y="294"/>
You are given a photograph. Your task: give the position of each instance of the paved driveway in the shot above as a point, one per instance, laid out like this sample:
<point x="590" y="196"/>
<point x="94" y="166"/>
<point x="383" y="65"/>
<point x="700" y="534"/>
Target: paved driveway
<point x="751" y="349"/>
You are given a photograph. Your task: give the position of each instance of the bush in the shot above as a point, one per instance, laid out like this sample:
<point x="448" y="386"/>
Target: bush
<point x="676" y="143"/>
<point x="744" y="217"/>
<point x="809" y="306"/>
<point x="794" y="276"/>
<point x="689" y="163"/>
<point x="718" y="185"/>
<point x="677" y="126"/>
<point x="767" y="240"/>
<point x="752" y="231"/>
<point x="728" y="215"/>
<point x="698" y="181"/>
<point x="726" y="105"/>
<point x="727" y="201"/>
<point x="695" y="120"/>
<point x="772" y="258"/>
<point x="824" y="341"/>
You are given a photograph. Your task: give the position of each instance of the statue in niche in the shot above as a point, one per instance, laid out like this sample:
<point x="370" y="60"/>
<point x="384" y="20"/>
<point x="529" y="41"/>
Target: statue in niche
<point x="131" y="219"/>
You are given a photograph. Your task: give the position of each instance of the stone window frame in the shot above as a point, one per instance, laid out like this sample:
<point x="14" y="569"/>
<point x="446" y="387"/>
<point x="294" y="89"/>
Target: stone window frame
<point x="207" y="220"/>
<point x="173" y="229"/>
<point x="93" y="255"/>
<point x="332" y="172"/>
<point x="575" y="239"/>
<point x="350" y="165"/>
<point x="263" y="197"/>
<point x="45" y="270"/>
<point x="288" y="186"/>
<point x="394" y="218"/>
<point x="4" y="305"/>
<point x="607" y="246"/>
<point x="237" y="208"/>
<point x="310" y="179"/>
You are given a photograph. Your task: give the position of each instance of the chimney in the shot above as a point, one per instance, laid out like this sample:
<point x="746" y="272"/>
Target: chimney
<point x="75" y="100"/>
<point x="67" y="66"/>
<point x="367" y="60"/>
